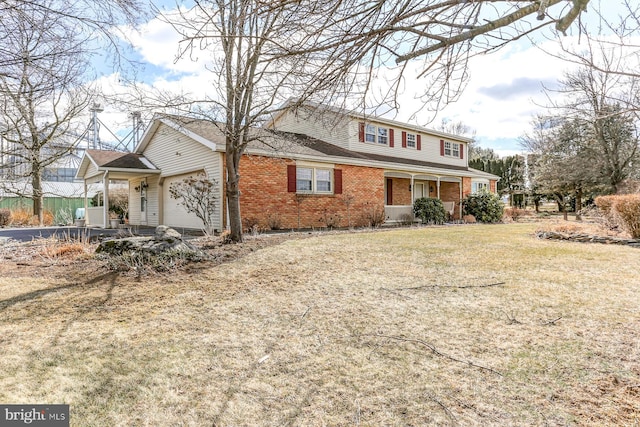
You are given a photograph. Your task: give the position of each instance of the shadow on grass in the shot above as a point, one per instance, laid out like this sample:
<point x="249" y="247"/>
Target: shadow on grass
<point x="33" y="295"/>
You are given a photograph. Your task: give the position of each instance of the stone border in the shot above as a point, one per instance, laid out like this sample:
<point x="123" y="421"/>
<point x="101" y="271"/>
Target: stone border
<point x="587" y="238"/>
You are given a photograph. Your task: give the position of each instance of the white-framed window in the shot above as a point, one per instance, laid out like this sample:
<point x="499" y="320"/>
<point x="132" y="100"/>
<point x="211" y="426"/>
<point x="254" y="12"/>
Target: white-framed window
<point x="451" y="149"/>
<point x="376" y="134"/>
<point x="314" y="180"/>
<point x="304" y="179"/>
<point x="447" y="148"/>
<point x="411" y="140"/>
<point x="323" y="180"/>
<point x="383" y="136"/>
<point x="479" y="187"/>
<point x="370" y="133"/>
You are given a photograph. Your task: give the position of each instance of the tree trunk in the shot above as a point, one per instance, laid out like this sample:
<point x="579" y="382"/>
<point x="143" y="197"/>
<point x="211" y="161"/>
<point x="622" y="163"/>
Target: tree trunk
<point x="578" y="203"/>
<point x="37" y="196"/>
<point x="233" y="198"/>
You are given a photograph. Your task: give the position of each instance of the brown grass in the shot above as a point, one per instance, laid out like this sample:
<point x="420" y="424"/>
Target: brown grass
<point x="466" y="325"/>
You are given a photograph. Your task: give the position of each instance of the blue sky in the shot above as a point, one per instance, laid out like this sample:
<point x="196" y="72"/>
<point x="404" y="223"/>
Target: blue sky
<point x="504" y="92"/>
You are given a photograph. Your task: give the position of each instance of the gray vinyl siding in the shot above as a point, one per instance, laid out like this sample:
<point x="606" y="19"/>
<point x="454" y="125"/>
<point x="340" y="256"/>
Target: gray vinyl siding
<point x="176" y="154"/>
<point x="343" y="131"/>
<point x="429" y="152"/>
<point x="134" y="202"/>
<point x="92" y="170"/>
<point x="328" y="126"/>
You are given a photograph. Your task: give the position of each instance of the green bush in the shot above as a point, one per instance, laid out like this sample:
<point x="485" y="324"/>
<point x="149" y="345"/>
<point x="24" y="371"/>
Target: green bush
<point x="430" y="210"/>
<point x="485" y="207"/>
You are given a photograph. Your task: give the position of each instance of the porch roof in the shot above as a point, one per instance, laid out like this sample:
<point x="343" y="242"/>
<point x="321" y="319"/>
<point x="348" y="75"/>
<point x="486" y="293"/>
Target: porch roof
<point x="121" y="163"/>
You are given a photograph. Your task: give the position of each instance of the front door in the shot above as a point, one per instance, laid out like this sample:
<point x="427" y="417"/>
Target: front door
<point x="418" y="191"/>
<point x="389" y="198"/>
<point x="143" y="203"/>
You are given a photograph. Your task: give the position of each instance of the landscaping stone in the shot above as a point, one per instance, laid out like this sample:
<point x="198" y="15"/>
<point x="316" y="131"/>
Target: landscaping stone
<point x="165" y="239"/>
<point x="588" y="238"/>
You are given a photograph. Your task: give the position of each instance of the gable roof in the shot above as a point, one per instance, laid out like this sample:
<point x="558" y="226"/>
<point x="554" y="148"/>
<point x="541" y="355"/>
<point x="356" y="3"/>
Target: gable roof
<point x="115" y="159"/>
<point x="104" y="160"/>
<point x="297" y="146"/>
<point x="202" y="131"/>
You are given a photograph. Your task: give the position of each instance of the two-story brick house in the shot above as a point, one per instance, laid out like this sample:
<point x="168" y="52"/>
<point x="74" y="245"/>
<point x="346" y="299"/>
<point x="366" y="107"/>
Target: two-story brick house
<point x="309" y="167"/>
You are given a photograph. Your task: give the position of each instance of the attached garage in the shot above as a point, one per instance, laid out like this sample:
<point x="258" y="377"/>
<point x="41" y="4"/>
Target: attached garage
<point x="174" y="214"/>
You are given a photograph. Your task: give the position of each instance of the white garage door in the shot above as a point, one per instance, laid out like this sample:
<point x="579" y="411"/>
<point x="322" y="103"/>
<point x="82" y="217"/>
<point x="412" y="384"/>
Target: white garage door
<point x="174" y="214"/>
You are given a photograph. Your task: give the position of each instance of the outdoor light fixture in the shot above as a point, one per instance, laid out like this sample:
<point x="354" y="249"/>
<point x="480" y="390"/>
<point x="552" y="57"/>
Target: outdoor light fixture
<point x="142" y="186"/>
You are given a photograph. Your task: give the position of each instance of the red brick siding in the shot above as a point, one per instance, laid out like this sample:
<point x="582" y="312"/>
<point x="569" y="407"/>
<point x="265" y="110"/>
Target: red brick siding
<point x="433" y="188"/>
<point x="466" y="187"/>
<point x="264" y="199"/>
<point x="401" y="191"/>
<point x="492" y="186"/>
<point x="450" y="192"/>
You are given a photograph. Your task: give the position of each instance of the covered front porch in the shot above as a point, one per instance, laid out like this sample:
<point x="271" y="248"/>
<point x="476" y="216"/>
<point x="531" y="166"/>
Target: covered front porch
<point x="403" y="188"/>
<point x="100" y="170"/>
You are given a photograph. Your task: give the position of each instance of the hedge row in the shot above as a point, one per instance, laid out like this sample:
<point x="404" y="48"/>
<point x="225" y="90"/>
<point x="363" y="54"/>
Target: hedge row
<point x="622" y="211"/>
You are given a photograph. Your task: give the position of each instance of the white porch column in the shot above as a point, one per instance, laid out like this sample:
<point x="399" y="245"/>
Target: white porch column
<point x="105" y="207"/>
<point x="412" y="187"/>
<point x="86" y="204"/>
<point x="461" y="180"/>
<point x="438" y="187"/>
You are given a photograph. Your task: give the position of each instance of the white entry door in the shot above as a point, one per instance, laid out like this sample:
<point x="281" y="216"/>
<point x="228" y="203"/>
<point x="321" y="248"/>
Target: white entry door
<point x="143" y="203"/>
<point x="418" y="191"/>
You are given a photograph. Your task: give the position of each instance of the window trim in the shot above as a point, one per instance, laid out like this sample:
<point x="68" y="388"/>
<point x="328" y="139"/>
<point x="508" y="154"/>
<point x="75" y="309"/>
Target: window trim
<point x="372" y="134"/>
<point x="383" y="133"/>
<point x="370" y="131"/>
<point x="314" y="180"/>
<point x="478" y="186"/>
<point x="415" y="141"/>
<point x="453" y="149"/>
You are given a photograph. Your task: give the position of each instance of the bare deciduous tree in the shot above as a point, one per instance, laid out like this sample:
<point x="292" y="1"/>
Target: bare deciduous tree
<point x="42" y="95"/>
<point x="87" y="18"/>
<point x="591" y="142"/>
<point x="260" y="53"/>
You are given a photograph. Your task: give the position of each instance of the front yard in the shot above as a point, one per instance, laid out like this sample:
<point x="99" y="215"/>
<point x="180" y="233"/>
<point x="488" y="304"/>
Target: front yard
<point x="466" y="325"/>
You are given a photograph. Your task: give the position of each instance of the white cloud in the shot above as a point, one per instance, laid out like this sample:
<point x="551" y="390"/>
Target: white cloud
<point x="504" y="91"/>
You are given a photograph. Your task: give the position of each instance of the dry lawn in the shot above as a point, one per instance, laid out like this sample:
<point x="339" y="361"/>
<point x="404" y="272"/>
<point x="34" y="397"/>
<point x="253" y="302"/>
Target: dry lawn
<point x="459" y="325"/>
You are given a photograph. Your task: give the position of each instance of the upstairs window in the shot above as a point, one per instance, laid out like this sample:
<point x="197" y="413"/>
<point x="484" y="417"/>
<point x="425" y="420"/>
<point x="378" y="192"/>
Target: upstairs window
<point x="376" y="134"/>
<point x="370" y="133"/>
<point x="383" y="136"/>
<point x="411" y="140"/>
<point x="451" y="149"/>
<point x="447" y="148"/>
